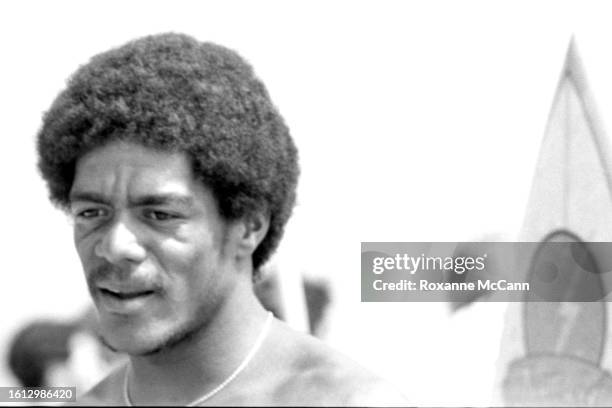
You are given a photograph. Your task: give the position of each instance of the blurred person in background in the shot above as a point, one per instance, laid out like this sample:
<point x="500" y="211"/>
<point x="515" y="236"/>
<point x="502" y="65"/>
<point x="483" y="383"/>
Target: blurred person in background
<point x="317" y="296"/>
<point x="180" y="175"/>
<point x="48" y="353"/>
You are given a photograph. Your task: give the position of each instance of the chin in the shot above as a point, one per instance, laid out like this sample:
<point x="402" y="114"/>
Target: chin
<point x="131" y="346"/>
<point x="145" y="342"/>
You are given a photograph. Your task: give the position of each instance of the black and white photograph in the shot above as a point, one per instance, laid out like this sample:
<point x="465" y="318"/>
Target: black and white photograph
<point x="347" y="203"/>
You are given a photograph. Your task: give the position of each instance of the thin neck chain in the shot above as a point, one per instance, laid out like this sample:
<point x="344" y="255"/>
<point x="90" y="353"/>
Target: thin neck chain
<point x="234" y="374"/>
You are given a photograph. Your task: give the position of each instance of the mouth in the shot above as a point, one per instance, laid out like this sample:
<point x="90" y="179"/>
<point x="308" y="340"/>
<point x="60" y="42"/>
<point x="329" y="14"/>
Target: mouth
<point x="126" y="295"/>
<point x="125" y="302"/>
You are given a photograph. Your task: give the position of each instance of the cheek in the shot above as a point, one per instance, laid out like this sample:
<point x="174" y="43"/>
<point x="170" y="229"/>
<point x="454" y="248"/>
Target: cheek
<point x="183" y="261"/>
<point x="191" y="271"/>
<point x="84" y="247"/>
<point x="189" y="248"/>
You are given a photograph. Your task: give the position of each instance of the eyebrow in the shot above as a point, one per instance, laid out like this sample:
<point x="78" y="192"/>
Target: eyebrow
<point x="144" y="200"/>
<point x="87" y="196"/>
<point x="162" y="199"/>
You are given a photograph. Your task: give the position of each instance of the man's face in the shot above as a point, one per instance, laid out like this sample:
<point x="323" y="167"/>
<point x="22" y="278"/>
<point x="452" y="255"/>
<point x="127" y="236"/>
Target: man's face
<point x="155" y="251"/>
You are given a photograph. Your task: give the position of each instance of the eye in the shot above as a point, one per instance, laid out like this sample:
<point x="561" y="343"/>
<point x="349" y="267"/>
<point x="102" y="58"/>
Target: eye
<point x="90" y="213"/>
<point x="157" y="215"/>
<point x="90" y="217"/>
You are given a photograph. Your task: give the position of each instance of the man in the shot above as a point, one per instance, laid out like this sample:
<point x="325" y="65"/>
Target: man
<point x="180" y="175"/>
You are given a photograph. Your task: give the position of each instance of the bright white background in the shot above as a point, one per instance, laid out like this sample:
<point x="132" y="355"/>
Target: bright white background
<point x="416" y="121"/>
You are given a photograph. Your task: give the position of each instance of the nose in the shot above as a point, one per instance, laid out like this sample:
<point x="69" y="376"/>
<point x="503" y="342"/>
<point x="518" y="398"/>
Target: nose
<point x="120" y="243"/>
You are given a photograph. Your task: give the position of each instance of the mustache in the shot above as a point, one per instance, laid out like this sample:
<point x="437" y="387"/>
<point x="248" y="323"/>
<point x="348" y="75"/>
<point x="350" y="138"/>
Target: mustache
<point x="108" y="272"/>
<point x="103" y="271"/>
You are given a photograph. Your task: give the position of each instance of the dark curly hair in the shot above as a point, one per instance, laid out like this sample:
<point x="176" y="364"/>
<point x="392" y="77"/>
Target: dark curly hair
<point x="173" y="93"/>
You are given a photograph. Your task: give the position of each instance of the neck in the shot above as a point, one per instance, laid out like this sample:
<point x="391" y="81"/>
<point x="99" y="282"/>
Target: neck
<point x="191" y="368"/>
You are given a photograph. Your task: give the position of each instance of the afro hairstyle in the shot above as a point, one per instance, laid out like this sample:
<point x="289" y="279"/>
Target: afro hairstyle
<point x="172" y="93"/>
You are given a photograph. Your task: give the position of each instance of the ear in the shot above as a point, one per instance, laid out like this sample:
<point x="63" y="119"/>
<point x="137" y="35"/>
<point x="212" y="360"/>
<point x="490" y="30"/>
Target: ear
<point x="254" y="228"/>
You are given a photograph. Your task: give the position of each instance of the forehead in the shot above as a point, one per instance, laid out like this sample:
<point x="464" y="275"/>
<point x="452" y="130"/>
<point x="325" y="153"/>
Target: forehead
<point x="122" y="168"/>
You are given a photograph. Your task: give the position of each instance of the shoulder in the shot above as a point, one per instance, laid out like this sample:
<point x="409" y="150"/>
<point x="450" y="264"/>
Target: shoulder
<point x="109" y="391"/>
<point x="377" y="393"/>
<point x="320" y="375"/>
